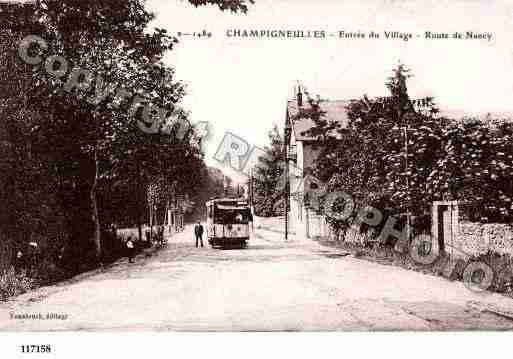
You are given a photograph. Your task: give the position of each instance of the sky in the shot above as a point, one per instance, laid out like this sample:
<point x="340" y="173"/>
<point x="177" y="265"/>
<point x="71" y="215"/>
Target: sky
<point x="241" y="85"/>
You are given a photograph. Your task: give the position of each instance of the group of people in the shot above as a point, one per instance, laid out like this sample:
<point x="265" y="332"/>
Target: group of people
<point x="27" y="258"/>
<point x="157" y="235"/>
<point x="130" y="243"/>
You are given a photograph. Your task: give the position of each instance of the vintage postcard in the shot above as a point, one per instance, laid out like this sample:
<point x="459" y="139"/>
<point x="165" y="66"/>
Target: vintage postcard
<point x="266" y="165"/>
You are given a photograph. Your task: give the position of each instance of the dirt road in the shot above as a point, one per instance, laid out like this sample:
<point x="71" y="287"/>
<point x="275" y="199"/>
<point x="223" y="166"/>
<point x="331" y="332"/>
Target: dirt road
<point x="271" y="285"/>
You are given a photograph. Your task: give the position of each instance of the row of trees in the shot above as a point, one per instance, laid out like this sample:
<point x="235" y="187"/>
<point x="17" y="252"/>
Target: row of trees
<point x="71" y="167"/>
<point x="267" y="180"/>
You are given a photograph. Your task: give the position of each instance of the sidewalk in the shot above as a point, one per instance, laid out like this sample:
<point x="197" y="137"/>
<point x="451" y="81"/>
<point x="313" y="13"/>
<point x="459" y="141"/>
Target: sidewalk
<point x="276" y="225"/>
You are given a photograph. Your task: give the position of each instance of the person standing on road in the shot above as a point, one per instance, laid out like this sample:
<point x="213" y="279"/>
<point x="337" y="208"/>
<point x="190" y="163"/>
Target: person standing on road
<point x="198" y="231"/>
<point x="19" y="262"/>
<point x="131" y="249"/>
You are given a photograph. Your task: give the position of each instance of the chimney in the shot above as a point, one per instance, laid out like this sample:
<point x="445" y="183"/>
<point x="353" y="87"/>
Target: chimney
<point x="299" y="97"/>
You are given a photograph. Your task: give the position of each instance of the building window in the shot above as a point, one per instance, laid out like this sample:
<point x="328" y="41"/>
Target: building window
<point x="292" y="153"/>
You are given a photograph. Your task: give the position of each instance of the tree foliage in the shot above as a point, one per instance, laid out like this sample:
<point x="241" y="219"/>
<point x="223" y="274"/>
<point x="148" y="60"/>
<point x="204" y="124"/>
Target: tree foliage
<point x="398" y="155"/>
<point x="268" y="189"/>
<point x="76" y="163"/>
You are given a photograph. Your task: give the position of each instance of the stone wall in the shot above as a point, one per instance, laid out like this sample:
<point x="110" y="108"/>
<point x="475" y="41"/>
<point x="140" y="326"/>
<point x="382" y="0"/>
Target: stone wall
<point x="317" y="226"/>
<point x="476" y="238"/>
<point x="354" y="236"/>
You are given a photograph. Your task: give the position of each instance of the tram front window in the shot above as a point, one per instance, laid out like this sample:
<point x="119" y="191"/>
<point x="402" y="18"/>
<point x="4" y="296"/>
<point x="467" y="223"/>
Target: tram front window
<point x="232" y="216"/>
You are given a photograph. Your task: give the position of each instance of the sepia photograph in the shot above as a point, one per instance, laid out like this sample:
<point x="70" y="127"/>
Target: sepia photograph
<point x="234" y="166"/>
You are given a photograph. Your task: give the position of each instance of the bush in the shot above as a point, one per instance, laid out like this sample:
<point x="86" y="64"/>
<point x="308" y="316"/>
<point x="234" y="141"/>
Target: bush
<point x="12" y="283"/>
<point x="502" y="268"/>
<point x="47" y="272"/>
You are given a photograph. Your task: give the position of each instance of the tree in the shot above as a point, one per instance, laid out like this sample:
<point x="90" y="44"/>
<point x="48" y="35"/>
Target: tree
<point x="268" y="175"/>
<point x="474" y="167"/>
<point x="30" y="210"/>
<point x="384" y="156"/>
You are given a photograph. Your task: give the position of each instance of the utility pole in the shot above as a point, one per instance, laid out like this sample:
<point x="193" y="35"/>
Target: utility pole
<point x="250" y="189"/>
<point x="288" y="131"/>
<point x="251" y="194"/>
<point x="286" y="195"/>
<point x="408" y="201"/>
<point x="405" y="128"/>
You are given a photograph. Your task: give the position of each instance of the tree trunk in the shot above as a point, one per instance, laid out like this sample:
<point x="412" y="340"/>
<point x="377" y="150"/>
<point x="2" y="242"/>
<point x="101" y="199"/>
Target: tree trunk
<point x="139" y="226"/>
<point x="139" y="203"/>
<point x="95" y="215"/>
<point x="167" y="220"/>
<point x="151" y="220"/>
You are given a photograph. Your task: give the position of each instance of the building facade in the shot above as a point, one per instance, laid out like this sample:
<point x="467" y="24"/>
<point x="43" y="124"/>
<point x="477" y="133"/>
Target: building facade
<point x="303" y="219"/>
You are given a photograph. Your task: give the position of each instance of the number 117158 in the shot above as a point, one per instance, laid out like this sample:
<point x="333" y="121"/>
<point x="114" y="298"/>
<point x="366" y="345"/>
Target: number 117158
<point x="36" y="349"/>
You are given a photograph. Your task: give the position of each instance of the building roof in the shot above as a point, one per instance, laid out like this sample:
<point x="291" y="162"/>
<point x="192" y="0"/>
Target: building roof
<point x="16" y="3"/>
<point x="334" y="112"/>
<point x="458" y="114"/>
<point x="16" y="14"/>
